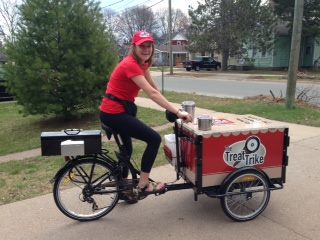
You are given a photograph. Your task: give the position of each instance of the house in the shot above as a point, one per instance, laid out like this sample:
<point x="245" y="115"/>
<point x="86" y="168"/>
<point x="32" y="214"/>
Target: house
<point x="278" y="57"/>
<point x="179" y="52"/>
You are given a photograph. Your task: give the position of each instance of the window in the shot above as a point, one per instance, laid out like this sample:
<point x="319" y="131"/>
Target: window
<point x="308" y="50"/>
<point x="263" y="52"/>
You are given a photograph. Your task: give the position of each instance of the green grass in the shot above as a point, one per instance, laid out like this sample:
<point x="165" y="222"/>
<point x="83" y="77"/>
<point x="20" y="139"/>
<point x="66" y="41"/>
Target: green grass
<point x="29" y="178"/>
<point x="263" y="107"/>
<point x="20" y="133"/>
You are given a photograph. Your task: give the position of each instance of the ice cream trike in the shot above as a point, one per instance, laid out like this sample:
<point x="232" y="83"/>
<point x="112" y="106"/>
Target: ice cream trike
<point x="239" y="159"/>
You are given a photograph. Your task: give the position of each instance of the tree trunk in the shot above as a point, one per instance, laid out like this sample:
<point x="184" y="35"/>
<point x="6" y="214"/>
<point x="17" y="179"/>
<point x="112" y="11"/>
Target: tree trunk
<point x="225" y="57"/>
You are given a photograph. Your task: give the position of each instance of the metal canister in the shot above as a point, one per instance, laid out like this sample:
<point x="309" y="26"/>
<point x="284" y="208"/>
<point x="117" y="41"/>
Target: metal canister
<point x="189" y="106"/>
<point x="205" y="122"/>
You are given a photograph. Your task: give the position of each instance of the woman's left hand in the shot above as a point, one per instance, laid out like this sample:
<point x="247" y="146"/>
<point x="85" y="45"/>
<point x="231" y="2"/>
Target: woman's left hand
<point x="185" y="116"/>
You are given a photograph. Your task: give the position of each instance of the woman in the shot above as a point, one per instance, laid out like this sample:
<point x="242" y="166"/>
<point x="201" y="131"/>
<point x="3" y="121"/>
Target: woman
<point x="118" y="109"/>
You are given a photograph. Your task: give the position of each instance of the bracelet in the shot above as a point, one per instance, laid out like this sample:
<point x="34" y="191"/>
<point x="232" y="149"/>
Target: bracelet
<point x="178" y="111"/>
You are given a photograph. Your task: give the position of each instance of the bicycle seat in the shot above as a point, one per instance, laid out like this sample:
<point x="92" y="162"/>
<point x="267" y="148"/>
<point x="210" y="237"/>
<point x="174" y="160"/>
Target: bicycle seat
<point x="109" y="131"/>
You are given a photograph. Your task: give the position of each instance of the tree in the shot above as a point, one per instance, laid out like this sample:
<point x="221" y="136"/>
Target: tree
<point x="61" y="57"/>
<point x="110" y="16"/>
<point x="228" y="25"/>
<point x="180" y="22"/>
<point x="9" y="14"/>
<point x="311" y="16"/>
<point x="133" y="20"/>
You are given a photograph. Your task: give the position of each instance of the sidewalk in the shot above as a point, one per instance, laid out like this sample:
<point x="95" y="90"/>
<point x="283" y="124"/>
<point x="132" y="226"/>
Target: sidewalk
<point x="292" y="213"/>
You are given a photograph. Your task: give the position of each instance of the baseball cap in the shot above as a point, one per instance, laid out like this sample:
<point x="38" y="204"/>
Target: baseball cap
<point x="142" y="37"/>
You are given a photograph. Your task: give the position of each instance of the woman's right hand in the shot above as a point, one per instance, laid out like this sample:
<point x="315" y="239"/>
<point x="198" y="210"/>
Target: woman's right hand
<point x="185" y="116"/>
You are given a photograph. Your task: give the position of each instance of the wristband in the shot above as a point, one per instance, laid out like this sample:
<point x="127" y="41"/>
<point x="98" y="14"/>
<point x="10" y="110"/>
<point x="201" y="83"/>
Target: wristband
<point x="178" y="111"/>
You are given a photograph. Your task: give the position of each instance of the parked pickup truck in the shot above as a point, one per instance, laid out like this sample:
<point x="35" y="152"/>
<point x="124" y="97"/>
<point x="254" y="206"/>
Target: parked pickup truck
<point x="202" y="62"/>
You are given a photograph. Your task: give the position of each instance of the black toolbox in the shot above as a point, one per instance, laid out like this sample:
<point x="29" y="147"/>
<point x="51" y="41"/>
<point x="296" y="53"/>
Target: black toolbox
<point x="51" y="142"/>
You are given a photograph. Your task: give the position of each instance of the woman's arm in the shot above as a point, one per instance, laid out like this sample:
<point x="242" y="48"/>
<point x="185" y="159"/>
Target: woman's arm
<point x="158" y="98"/>
<point x="150" y="79"/>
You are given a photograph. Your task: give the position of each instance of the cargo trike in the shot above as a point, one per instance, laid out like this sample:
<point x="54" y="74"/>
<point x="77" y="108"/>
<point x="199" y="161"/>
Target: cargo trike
<point x="240" y="159"/>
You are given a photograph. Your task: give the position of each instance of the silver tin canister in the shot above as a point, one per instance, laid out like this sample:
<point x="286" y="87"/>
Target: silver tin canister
<point x="189" y="106"/>
<point x="205" y="122"/>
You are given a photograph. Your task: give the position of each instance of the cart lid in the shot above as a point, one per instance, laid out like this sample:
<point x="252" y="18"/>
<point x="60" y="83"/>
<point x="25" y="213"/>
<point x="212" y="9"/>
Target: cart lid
<point x="232" y="124"/>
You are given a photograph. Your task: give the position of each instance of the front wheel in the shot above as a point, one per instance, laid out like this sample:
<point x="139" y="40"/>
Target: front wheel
<point x="247" y="195"/>
<point x="78" y="190"/>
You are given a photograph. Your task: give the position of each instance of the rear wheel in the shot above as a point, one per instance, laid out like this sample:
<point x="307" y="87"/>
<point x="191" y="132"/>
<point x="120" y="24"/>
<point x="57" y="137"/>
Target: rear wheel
<point x="247" y="195"/>
<point x="77" y="190"/>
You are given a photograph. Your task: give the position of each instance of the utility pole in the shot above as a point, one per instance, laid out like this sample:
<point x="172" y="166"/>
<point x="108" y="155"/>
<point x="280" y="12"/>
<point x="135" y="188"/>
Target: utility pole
<point x="170" y="37"/>
<point x="294" y="53"/>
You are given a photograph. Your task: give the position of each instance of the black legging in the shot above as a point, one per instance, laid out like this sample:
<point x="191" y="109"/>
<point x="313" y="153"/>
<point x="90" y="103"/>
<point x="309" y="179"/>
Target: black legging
<point x="128" y="126"/>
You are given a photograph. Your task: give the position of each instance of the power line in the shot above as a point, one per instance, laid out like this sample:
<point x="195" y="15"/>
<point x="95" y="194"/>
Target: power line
<point x="155" y="4"/>
<point x="112" y="4"/>
<point x="125" y="6"/>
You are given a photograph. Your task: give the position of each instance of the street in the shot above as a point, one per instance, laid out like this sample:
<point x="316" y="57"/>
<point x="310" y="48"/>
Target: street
<point x="232" y="87"/>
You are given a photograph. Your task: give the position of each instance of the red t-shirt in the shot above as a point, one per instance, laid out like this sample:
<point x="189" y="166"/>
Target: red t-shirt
<point x="121" y="85"/>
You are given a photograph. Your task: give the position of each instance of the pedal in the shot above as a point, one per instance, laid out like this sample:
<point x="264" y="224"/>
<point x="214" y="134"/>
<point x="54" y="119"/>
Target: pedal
<point x="161" y="192"/>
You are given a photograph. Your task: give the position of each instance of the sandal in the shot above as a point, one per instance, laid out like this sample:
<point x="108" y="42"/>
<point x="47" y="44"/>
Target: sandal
<point x="155" y="189"/>
<point x="128" y="196"/>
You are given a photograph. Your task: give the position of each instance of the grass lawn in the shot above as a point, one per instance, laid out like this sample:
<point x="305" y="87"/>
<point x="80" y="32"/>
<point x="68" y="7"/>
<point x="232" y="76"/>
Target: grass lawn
<point x="30" y="177"/>
<point x="20" y="133"/>
<point x="264" y="107"/>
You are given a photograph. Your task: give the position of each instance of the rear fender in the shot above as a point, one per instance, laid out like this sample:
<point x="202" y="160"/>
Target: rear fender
<point x="241" y="170"/>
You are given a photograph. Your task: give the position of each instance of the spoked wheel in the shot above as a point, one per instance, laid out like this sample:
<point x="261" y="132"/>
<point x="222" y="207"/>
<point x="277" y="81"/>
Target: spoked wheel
<point x="78" y="190"/>
<point x="247" y="195"/>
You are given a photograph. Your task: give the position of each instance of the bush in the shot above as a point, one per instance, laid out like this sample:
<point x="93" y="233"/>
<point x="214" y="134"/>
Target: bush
<point x="60" y="58"/>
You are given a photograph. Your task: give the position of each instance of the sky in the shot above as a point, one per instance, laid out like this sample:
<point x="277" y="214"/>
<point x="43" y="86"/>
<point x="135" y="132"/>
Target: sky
<point x="120" y="5"/>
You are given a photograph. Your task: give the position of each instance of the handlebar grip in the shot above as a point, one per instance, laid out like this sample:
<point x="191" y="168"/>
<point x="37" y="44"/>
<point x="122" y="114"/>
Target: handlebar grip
<point x="72" y="131"/>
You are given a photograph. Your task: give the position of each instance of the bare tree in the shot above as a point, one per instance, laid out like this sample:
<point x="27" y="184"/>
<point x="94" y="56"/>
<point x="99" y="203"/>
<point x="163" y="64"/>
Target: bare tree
<point x="9" y="14"/>
<point x="180" y="21"/>
<point x="110" y="19"/>
<point x="133" y="20"/>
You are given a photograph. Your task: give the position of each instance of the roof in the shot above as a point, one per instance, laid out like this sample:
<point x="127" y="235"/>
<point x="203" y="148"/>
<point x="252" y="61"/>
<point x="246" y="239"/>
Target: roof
<point x="175" y="48"/>
<point x="179" y="37"/>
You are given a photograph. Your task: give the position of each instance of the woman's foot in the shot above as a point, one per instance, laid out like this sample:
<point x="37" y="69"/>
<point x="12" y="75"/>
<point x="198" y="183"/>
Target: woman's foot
<point x="151" y="187"/>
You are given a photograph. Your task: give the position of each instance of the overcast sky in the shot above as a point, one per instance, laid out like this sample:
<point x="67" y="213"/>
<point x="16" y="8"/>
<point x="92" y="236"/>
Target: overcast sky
<point x="120" y="5"/>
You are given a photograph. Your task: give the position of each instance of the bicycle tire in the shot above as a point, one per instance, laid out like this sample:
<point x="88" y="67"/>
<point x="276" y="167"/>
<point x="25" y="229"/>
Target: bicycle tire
<point x="251" y="197"/>
<point x="76" y="189"/>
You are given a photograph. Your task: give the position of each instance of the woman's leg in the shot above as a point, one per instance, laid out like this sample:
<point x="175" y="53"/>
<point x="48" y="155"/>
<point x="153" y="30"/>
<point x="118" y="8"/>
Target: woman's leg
<point x="127" y="125"/>
<point x="127" y="142"/>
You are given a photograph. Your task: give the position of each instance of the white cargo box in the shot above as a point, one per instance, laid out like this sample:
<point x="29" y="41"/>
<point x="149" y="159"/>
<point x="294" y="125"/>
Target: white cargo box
<point x="72" y="148"/>
<point x="170" y="144"/>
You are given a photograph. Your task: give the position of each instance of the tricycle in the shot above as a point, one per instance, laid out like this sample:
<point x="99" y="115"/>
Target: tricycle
<point x="239" y="160"/>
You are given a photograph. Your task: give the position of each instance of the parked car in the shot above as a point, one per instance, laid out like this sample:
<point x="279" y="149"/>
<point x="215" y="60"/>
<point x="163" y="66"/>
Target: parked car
<point x="202" y="62"/>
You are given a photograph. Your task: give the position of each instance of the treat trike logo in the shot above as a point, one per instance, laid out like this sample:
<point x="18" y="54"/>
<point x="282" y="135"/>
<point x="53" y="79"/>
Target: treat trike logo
<point x="249" y="152"/>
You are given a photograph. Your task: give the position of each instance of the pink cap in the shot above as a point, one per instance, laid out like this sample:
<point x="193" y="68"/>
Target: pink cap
<point x="142" y="37"/>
